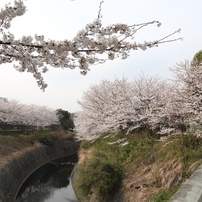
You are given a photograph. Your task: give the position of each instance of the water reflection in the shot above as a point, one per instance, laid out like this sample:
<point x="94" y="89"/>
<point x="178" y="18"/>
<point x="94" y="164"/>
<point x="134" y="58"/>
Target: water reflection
<point x="50" y="183"/>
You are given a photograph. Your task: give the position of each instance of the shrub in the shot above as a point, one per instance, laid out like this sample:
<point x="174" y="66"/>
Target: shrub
<point x="101" y="178"/>
<point x="110" y="178"/>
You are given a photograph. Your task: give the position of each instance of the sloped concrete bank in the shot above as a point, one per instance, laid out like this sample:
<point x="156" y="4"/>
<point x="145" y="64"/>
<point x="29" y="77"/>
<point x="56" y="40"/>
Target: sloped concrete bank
<point x="17" y="167"/>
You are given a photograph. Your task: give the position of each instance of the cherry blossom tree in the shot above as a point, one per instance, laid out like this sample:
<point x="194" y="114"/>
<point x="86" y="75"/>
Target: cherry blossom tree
<point x="120" y="105"/>
<point x="92" y="45"/>
<point x="175" y="114"/>
<point x="105" y="107"/>
<point x="6" y="111"/>
<point x="149" y="98"/>
<point x="189" y="80"/>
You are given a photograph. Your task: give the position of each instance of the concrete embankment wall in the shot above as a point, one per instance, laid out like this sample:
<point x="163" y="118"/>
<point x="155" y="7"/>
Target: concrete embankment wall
<point x="191" y="189"/>
<point x="20" y="165"/>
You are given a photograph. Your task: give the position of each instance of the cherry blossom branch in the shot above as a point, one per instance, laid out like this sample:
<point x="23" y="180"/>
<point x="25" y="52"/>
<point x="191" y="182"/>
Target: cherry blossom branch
<point x="92" y="45"/>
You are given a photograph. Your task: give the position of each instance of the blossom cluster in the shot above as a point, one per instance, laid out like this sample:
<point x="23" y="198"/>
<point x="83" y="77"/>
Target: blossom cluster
<point x="10" y="12"/>
<point x="92" y="45"/>
<point x="189" y="79"/>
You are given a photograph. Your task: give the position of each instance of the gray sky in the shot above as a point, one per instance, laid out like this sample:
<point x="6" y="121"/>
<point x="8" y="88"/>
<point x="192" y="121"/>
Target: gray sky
<point x="61" y="19"/>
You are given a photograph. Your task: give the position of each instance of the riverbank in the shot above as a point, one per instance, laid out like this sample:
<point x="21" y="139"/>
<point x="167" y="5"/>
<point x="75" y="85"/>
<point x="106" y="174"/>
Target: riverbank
<point x="19" y="159"/>
<point x="151" y="170"/>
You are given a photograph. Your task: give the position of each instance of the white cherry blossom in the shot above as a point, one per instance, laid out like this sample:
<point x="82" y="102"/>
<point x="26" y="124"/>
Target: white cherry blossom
<point x="92" y="45"/>
<point x="14" y="113"/>
<point x="118" y="105"/>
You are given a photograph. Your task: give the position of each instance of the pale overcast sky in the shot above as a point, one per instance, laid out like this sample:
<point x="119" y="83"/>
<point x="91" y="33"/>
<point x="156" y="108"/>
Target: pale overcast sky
<point x="61" y="19"/>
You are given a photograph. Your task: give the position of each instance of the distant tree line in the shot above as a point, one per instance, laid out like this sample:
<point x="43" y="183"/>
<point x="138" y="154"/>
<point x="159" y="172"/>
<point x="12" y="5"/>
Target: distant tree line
<point x="17" y="116"/>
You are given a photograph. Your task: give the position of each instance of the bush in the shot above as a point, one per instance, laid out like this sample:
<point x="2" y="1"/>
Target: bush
<point x="110" y="178"/>
<point x="101" y="178"/>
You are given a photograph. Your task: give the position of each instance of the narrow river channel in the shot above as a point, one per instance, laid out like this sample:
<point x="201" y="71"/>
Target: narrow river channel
<point x="50" y="183"/>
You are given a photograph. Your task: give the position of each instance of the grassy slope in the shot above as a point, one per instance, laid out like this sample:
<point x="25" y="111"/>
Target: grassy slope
<point x="10" y="144"/>
<point x="149" y="170"/>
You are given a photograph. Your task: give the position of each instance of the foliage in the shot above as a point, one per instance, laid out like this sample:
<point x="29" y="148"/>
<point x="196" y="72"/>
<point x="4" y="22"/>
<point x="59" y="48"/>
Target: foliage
<point x="139" y="147"/>
<point x="197" y="59"/>
<point x="110" y="177"/>
<point x="65" y="119"/>
<point x="92" y="45"/>
<point x="102" y="178"/>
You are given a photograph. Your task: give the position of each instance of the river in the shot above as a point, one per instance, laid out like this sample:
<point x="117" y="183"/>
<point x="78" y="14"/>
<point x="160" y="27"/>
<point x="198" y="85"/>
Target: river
<point x="50" y="183"/>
